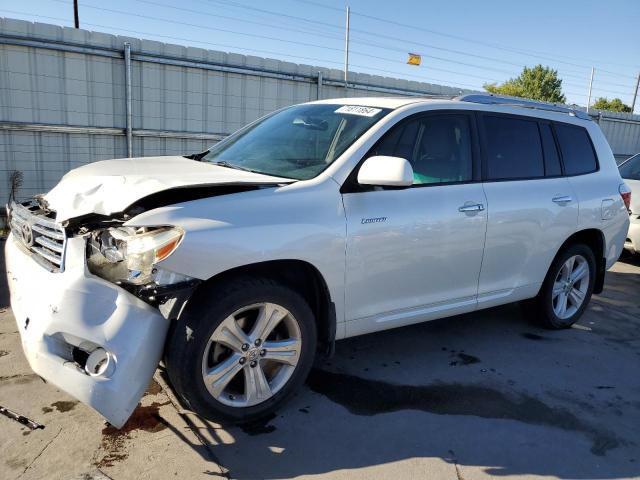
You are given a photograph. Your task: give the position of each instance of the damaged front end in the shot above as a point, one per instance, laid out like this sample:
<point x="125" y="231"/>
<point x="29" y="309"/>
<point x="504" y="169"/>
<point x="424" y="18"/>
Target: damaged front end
<point x="92" y="303"/>
<point x="128" y="257"/>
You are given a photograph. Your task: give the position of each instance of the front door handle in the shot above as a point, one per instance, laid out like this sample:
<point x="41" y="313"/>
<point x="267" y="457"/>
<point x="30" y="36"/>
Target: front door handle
<point x="562" y="199"/>
<point x="471" y="207"/>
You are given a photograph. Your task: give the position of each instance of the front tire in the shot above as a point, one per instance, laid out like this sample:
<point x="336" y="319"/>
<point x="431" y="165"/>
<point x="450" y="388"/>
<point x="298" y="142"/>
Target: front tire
<point x="568" y="287"/>
<point x="239" y="353"/>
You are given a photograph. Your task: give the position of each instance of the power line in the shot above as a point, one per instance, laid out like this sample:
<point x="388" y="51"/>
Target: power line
<point x="566" y="73"/>
<point x="385" y="47"/>
<point x="216" y="15"/>
<point x="532" y="53"/>
<point x="266" y="37"/>
<point x="204" y="27"/>
<point x="575" y="74"/>
<point x="322" y="5"/>
<point x="183" y="39"/>
<point x="278" y="14"/>
<point x="364" y="32"/>
<point x="358" y="42"/>
<point x="153" y="34"/>
<point x="378" y="57"/>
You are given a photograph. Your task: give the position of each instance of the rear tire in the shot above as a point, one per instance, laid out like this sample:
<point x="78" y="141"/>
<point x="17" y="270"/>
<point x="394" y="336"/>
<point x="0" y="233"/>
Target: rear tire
<point x="567" y="288"/>
<point x="225" y="374"/>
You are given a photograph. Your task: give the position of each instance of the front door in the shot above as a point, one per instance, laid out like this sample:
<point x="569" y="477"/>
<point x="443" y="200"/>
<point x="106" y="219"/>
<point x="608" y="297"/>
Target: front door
<point x="414" y="254"/>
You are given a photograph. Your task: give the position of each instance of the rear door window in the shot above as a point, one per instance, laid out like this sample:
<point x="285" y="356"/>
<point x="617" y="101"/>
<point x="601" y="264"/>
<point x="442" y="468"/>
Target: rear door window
<point x="577" y="152"/>
<point x="512" y="147"/>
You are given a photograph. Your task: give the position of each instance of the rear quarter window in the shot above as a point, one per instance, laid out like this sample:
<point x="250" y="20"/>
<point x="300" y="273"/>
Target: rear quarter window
<point x="577" y="151"/>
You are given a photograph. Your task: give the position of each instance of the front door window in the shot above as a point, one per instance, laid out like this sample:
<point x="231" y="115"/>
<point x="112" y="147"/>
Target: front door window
<point x="437" y="146"/>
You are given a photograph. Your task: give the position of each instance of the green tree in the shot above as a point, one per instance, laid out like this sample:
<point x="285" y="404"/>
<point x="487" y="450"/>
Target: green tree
<point x="614" y="105"/>
<point x="537" y="83"/>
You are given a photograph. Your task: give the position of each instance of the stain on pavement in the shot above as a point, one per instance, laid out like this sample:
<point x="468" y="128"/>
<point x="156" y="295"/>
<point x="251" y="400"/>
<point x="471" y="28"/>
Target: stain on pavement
<point x="534" y="336"/>
<point x="114" y="440"/>
<point x="371" y="397"/>
<point x="464" y="359"/>
<point x="154" y="388"/>
<point x="64" y="406"/>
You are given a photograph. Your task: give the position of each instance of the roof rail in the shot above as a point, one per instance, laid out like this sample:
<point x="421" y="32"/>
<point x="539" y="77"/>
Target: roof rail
<point x="490" y="99"/>
<point x="439" y="96"/>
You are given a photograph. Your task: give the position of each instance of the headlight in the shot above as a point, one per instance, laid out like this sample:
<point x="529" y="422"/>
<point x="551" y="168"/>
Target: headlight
<point x="129" y="254"/>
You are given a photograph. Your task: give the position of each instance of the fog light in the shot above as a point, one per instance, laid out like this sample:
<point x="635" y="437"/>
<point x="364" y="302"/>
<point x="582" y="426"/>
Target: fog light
<point x="100" y="363"/>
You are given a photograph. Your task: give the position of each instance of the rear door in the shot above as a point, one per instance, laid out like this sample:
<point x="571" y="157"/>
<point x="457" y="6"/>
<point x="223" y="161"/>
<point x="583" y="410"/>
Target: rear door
<point x="532" y="206"/>
<point x="415" y="253"/>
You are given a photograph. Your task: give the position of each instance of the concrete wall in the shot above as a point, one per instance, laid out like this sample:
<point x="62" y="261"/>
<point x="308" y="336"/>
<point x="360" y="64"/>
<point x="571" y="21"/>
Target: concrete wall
<point x="63" y="104"/>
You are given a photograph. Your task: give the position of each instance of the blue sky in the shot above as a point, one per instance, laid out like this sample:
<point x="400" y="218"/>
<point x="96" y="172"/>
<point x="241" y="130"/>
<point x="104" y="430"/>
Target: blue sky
<point x="463" y="43"/>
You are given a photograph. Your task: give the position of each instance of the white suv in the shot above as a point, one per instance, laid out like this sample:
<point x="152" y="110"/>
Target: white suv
<point x="315" y="223"/>
<point x="630" y="173"/>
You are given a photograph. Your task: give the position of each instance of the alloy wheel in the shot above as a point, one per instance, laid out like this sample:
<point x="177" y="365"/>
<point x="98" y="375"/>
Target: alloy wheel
<point x="251" y="355"/>
<point x="570" y="287"/>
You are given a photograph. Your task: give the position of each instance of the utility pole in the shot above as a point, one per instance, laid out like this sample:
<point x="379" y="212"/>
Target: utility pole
<point x="128" y="98"/>
<point x="635" y="94"/>
<point x="590" y="88"/>
<point x="76" y="17"/>
<point x="346" y="50"/>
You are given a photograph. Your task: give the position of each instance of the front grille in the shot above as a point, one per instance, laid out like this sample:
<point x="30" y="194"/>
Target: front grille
<point x="35" y="228"/>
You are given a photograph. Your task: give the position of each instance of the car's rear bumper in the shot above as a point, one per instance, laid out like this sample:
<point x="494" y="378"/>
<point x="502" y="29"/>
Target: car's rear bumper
<point x="56" y="312"/>
<point x="632" y="242"/>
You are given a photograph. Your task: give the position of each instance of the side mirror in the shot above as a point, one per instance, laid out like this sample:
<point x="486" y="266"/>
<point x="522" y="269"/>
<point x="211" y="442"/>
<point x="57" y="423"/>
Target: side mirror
<point x="386" y="171"/>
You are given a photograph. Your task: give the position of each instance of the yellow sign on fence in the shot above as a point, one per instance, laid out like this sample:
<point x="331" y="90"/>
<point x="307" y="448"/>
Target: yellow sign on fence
<point x="414" y="59"/>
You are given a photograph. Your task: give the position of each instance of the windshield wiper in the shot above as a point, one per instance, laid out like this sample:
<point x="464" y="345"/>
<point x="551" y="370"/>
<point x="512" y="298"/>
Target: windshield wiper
<point x="197" y="156"/>
<point x="224" y="163"/>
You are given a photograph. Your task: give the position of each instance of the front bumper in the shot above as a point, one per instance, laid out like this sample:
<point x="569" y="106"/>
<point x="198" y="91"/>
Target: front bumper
<point x="632" y="242"/>
<point x="56" y="312"/>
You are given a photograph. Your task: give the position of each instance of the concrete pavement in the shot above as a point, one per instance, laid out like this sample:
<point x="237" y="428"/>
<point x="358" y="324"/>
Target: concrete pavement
<point x="484" y="394"/>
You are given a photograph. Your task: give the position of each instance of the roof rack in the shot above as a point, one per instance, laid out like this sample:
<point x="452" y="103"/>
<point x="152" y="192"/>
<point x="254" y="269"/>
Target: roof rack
<point x="490" y="99"/>
<point x="438" y="96"/>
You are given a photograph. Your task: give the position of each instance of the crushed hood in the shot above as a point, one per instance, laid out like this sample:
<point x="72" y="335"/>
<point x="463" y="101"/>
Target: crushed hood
<point x="110" y="186"/>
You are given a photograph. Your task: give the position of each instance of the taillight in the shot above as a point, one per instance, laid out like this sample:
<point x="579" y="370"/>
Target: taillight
<point x="625" y="193"/>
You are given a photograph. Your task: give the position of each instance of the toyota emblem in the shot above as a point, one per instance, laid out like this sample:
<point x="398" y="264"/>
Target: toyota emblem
<point x="27" y="234"/>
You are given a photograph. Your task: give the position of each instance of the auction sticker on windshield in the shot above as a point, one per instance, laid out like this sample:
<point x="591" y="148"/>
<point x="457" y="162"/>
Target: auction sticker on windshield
<point x="358" y="110"/>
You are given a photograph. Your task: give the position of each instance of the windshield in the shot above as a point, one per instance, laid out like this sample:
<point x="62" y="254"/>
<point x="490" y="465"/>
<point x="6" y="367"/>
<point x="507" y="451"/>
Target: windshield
<point x="631" y="168"/>
<point x="299" y="142"/>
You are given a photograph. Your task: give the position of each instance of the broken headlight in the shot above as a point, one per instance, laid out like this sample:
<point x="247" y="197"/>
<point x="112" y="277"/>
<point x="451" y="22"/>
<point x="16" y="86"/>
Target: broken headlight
<point x="128" y="254"/>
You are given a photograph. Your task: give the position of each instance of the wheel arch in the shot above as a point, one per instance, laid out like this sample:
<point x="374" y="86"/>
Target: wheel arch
<point x="594" y="239"/>
<point x="298" y="275"/>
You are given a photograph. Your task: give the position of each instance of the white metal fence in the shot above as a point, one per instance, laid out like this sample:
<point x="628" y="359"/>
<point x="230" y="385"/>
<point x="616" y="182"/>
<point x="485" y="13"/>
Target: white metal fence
<point x="69" y="97"/>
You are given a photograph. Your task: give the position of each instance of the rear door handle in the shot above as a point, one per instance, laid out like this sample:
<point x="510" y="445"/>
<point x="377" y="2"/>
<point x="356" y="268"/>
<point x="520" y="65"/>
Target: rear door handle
<point x="562" y="199"/>
<point x="469" y="207"/>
